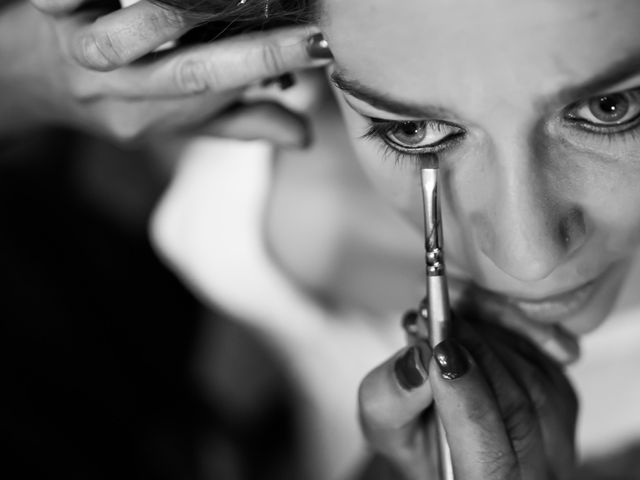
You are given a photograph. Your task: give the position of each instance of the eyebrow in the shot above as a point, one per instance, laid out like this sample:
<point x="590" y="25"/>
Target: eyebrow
<point x="615" y="73"/>
<point x="383" y="101"/>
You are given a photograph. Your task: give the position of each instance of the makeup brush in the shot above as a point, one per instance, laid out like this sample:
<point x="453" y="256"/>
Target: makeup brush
<point x="438" y="314"/>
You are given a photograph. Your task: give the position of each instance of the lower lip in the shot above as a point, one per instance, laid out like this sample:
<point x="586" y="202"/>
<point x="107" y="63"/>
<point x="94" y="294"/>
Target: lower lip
<point x="555" y="309"/>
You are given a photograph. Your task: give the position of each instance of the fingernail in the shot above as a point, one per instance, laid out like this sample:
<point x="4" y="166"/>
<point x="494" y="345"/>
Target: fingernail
<point x="562" y="348"/>
<point x="451" y="359"/>
<point x="423" y="309"/>
<point x="318" y="47"/>
<point x="410" y="370"/>
<point x="410" y="322"/>
<point x="286" y="81"/>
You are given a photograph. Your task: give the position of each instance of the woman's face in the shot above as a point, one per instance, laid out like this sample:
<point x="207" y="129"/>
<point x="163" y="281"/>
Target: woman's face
<point x="533" y="110"/>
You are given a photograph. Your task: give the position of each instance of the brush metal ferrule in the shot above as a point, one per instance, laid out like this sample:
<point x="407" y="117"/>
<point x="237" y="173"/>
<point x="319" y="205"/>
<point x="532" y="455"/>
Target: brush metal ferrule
<point x="432" y="222"/>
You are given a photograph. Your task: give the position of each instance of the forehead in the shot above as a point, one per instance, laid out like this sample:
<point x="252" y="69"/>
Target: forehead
<point x="465" y="50"/>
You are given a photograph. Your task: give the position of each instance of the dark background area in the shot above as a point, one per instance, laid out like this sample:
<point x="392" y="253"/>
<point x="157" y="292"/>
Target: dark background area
<point x="98" y="335"/>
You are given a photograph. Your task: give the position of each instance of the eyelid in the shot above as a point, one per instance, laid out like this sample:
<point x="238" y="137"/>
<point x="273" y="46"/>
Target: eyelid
<point x="373" y="112"/>
<point x="571" y="112"/>
<point x="427" y="120"/>
<point x="604" y="93"/>
<point x="630" y="84"/>
<point x="379" y="129"/>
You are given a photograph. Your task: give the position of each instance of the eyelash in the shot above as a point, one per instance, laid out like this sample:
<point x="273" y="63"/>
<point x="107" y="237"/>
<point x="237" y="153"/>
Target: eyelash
<point x="379" y="129"/>
<point x="624" y="131"/>
<point x="631" y="133"/>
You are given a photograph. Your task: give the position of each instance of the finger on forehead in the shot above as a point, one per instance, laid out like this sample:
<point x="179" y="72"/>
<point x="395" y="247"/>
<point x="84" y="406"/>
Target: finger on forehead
<point x="220" y="67"/>
<point x="125" y="35"/>
<point x="234" y="62"/>
<point x="55" y="7"/>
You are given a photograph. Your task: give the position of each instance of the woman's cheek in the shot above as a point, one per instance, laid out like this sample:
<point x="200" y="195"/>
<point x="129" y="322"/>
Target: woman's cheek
<point x="605" y="185"/>
<point x="398" y="182"/>
<point x="397" y="179"/>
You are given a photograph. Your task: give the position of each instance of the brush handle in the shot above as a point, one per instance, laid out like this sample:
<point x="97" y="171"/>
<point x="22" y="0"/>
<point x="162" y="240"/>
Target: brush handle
<point x="437" y="301"/>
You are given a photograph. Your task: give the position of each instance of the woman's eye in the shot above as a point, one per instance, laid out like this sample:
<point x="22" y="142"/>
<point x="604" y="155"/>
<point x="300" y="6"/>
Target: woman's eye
<point x="416" y="135"/>
<point x="608" y="110"/>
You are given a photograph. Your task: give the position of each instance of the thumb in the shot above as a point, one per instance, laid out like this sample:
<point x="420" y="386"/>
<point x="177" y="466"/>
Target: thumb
<point x="262" y="121"/>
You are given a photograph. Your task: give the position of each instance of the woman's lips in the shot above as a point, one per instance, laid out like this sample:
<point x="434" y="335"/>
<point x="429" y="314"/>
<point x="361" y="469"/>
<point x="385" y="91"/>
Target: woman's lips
<point x="551" y="309"/>
<point x="532" y="318"/>
<point x="544" y="320"/>
<point x="554" y="308"/>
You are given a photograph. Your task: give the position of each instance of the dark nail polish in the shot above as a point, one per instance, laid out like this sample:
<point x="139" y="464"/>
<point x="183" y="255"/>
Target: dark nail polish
<point x="318" y="47"/>
<point x="451" y="359"/>
<point x="410" y="322"/>
<point x="286" y="81"/>
<point x="410" y="370"/>
<point x="423" y="310"/>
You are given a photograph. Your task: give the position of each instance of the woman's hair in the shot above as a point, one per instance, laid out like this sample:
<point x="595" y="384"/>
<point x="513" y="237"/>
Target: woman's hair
<point x="228" y="17"/>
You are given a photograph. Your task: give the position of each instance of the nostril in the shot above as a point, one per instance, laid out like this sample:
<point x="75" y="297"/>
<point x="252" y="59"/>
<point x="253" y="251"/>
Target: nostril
<point x="572" y="229"/>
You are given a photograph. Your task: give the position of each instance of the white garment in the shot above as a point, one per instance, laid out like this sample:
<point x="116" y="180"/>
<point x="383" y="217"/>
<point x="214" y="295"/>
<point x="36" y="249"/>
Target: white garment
<point x="607" y="376"/>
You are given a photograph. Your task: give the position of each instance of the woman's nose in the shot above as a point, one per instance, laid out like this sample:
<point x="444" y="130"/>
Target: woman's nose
<point x="524" y="229"/>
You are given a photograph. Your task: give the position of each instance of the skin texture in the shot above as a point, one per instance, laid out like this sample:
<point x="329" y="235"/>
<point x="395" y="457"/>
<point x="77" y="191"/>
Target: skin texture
<point x="533" y="206"/>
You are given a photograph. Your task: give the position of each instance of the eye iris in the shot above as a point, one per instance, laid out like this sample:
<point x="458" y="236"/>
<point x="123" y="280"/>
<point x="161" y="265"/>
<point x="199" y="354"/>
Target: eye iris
<point x="410" y="133"/>
<point x="609" y="108"/>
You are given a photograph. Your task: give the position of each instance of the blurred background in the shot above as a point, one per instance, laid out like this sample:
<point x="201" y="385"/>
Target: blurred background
<point x="99" y="338"/>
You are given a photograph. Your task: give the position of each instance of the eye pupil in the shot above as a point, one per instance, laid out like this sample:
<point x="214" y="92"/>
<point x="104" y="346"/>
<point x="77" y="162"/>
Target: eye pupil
<point x="409" y="128"/>
<point x="609" y="108"/>
<point x="410" y="133"/>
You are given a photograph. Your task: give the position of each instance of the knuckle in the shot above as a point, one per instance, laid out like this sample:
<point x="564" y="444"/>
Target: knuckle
<point x="271" y="58"/>
<point x="162" y="18"/>
<point x="214" y="78"/>
<point x="100" y="51"/>
<point x="191" y="76"/>
<point x="522" y="427"/>
<point x="477" y="412"/>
